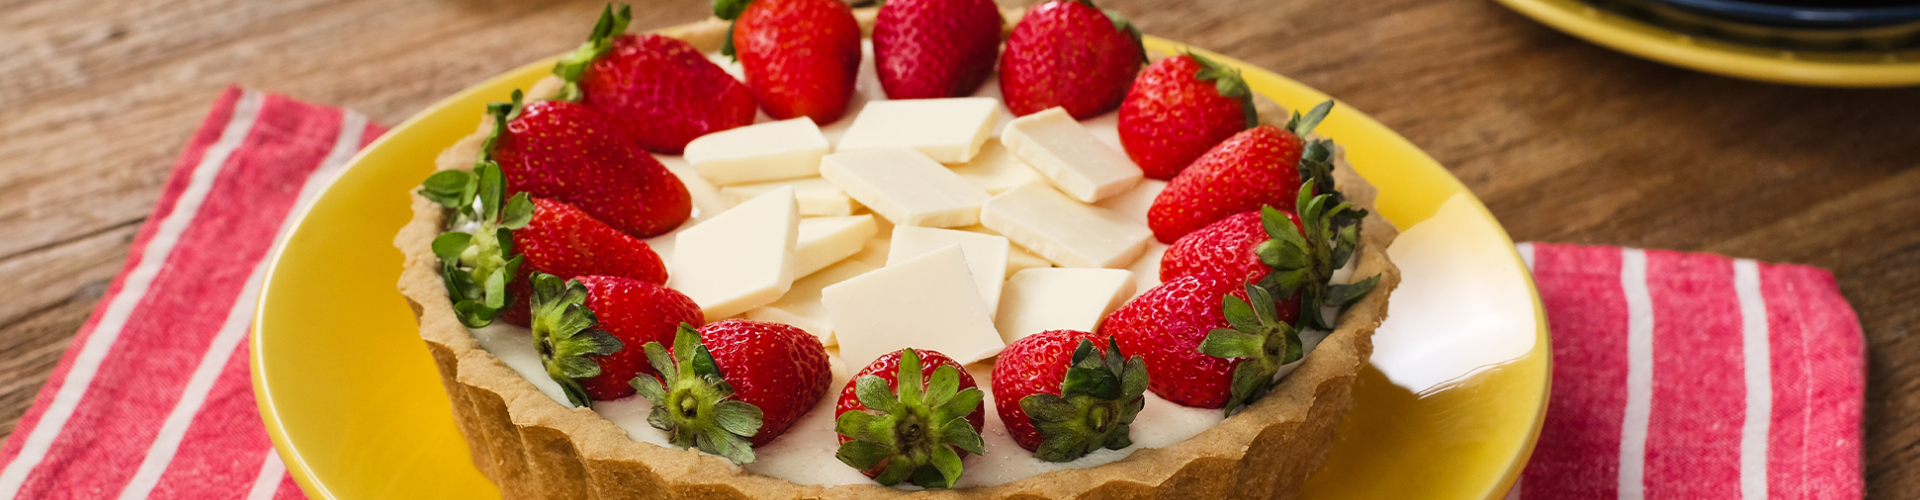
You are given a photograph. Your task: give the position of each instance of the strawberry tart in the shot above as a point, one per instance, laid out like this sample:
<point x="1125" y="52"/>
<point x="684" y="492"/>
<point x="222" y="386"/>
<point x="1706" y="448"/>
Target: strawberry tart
<point x="804" y="250"/>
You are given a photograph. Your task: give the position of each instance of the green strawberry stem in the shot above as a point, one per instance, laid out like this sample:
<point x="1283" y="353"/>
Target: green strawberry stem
<point x="1228" y="82"/>
<point x="729" y="10"/>
<point x="1305" y="264"/>
<point x="565" y="333"/>
<point x="611" y="25"/>
<point x="912" y="434"/>
<point x="1303" y="125"/>
<point x="1258" y="335"/>
<point x="1098" y="400"/>
<point x="695" y="405"/>
<point x="476" y="266"/>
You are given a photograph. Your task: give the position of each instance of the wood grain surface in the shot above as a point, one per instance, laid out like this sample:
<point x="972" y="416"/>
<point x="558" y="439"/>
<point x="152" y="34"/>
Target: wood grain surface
<point x="1564" y="140"/>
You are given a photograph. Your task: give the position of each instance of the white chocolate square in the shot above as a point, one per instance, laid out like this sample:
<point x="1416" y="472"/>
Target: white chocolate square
<point x="826" y="240"/>
<point x="1067" y="232"/>
<point x="986" y="255"/>
<point x="927" y="302"/>
<point x="760" y="152"/>
<point x="946" y="130"/>
<point x="801" y="305"/>
<point x="1018" y="259"/>
<point x="740" y="259"/>
<point x="1069" y="156"/>
<point x="905" y="187"/>
<point x="1037" y="300"/>
<point x="817" y="197"/>
<point x="996" y="169"/>
<point x="1134" y="203"/>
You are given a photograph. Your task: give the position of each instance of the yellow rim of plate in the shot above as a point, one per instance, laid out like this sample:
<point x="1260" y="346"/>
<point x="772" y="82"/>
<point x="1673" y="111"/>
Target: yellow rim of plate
<point x="1413" y="195"/>
<point x="1640" y="39"/>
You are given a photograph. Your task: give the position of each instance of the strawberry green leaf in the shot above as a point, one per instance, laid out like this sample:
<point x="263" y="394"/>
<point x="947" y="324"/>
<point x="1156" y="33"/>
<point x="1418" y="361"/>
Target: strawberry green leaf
<point x="611" y="24"/>
<point x="519" y="212"/>
<point x="729" y="9"/>
<point x="1229" y="83"/>
<point x="449" y="245"/>
<point x="566" y="335"/>
<point x="450" y="188"/>
<point x="1303" y="125"/>
<point x="912" y="429"/>
<point x="1262" y="348"/>
<point x="694" y="403"/>
<point x="477" y="274"/>
<point x="1098" y="401"/>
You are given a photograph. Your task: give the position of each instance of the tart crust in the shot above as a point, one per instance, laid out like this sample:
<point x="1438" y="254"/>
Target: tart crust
<point x="534" y="447"/>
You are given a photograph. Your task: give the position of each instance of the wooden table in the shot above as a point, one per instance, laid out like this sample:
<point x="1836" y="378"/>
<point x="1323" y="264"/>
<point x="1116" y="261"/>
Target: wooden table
<point x="1565" y="141"/>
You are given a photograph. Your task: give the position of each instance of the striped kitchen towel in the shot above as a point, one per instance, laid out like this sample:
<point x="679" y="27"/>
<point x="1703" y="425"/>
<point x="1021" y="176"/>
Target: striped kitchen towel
<point x="153" y="399"/>
<point x="1695" y="376"/>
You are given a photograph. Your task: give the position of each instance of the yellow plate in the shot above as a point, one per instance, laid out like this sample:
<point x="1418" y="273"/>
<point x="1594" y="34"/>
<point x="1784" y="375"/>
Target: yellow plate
<point x="1826" y="69"/>
<point x="353" y="403"/>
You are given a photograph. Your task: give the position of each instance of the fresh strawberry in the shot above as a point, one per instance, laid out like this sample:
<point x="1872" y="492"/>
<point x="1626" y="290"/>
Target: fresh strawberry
<point x="1260" y="166"/>
<point x="1170" y="326"/>
<point x="801" y="56"/>
<point x="1062" y="398"/>
<point x="1227" y="248"/>
<point x="569" y="153"/>
<point x="471" y="262"/>
<point x="661" y="91"/>
<point x="910" y="415"/>
<point x="588" y="331"/>
<point x="926" y="49"/>
<point x="734" y="384"/>
<point x="1071" y="54"/>
<point x="1179" y="108"/>
<point x="566" y="242"/>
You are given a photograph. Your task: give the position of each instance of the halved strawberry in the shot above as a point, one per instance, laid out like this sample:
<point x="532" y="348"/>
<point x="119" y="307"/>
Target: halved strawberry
<point x="1071" y="54"/>
<point x="1179" y="108"/>
<point x="661" y="91"/>
<point x="1260" y="166"/>
<point x="1062" y="397"/>
<point x="572" y="154"/>
<point x="910" y="415"/>
<point x="477" y="267"/>
<point x="801" y="56"/>
<point x="732" y="385"/>
<point x="925" y="49"/>
<point x="587" y="331"/>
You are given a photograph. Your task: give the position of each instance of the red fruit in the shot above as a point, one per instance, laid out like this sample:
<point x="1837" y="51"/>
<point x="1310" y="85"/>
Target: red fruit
<point x="1069" y="54"/>
<point x="801" y="56"/>
<point x="589" y="331"/>
<point x="1172" y="324"/>
<point x="926" y="49"/>
<point x="1063" y="418"/>
<point x="661" y="91"/>
<point x="1224" y="249"/>
<point x="569" y="153"/>
<point x="890" y="430"/>
<point x="1179" y="108"/>
<point x="1254" y="168"/>
<point x="733" y="385"/>
<point x="566" y="242"/>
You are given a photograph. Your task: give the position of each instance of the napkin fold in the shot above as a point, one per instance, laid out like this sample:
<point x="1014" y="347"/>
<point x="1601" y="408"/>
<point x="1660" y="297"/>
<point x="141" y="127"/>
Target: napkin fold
<point x="1677" y="375"/>
<point x="153" y="398"/>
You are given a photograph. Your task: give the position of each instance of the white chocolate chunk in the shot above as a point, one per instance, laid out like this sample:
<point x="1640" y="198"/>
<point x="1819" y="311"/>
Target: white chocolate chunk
<point x="760" y="152"/>
<point x="1018" y="259"/>
<point x="1069" y="156"/>
<point x="986" y="255"/>
<point x="1134" y="203"/>
<point x="928" y="302"/>
<point x="1037" y="300"/>
<point x="1067" y="232"/>
<point x="826" y="240"/>
<point x="740" y="259"/>
<point x="996" y="169"/>
<point x="905" y="187"/>
<point x="817" y="197"/>
<point x="946" y="130"/>
<point x="801" y="306"/>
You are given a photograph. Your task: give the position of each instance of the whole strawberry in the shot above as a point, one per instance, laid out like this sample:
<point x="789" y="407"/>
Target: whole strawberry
<point x="471" y="261"/>
<point x="1179" y="108"/>
<point x="1071" y="54"/>
<point x="1260" y="166"/>
<point x="926" y="49"/>
<point x="569" y="153"/>
<point x="588" y="331"/>
<point x="1062" y="398"/>
<point x="1171" y="325"/>
<point x="800" y="56"/>
<point x="661" y="91"/>
<point x="911" y="414"/>
<point x="734" y="384"/>
<point x="1228" y="248"/>
<point x="563" y="241"/>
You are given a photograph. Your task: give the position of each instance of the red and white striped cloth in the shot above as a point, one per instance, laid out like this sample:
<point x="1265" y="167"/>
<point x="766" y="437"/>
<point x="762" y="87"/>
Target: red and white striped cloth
<point x="1675" y="375"/>
<point x="153" y="399"/>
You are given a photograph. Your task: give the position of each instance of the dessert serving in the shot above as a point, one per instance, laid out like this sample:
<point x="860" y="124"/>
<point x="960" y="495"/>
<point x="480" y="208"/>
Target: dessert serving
<point x="999" y="254"/>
